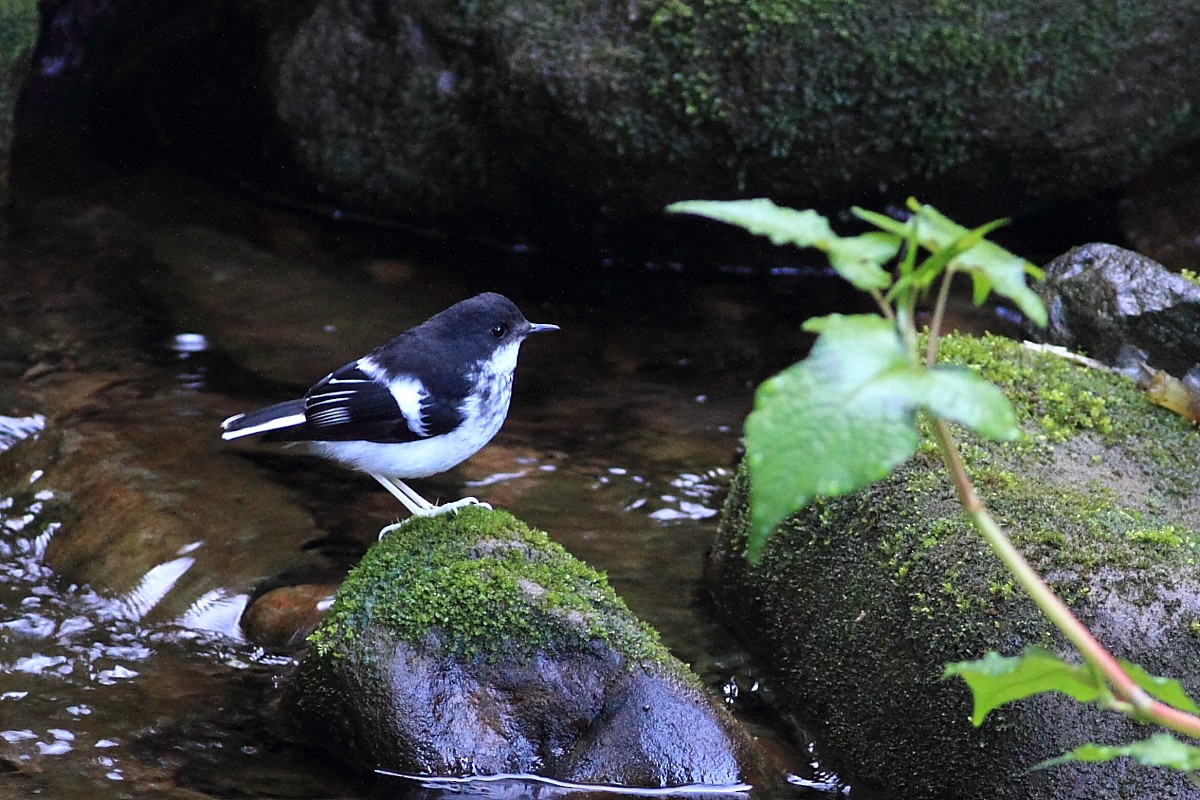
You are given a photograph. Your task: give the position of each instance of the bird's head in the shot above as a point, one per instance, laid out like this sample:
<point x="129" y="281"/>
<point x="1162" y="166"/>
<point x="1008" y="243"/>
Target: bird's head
<point x="490" y="320"/>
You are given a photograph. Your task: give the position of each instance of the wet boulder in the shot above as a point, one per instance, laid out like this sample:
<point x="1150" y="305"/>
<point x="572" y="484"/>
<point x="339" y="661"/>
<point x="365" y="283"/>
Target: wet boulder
<point x="860" y="601"/>
<point x="527" y="111"/>
<point x="1103" y="299"/>
<point x="474" y="645"/>
<point x="18" y="32"/>
<point x="548" y="121"/>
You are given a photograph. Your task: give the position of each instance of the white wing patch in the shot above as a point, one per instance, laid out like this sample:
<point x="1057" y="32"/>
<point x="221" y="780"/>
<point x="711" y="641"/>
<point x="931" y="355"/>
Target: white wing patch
<point x="410" y="394"/>
<point x="369" y="367"/>
<point x="408" y="391"/>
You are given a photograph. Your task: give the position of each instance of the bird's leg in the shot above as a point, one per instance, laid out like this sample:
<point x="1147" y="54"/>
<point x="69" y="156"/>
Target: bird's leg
<point x="417" y="505"/>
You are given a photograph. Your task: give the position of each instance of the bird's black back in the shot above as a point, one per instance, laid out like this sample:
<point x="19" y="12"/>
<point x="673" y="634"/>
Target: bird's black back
<point x="444" y="354"/>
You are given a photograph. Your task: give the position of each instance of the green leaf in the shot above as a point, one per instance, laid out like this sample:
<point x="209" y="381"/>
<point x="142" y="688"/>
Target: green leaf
<point x="881" y="221"/>
<point x="995" y="679"/>
<point x="1167" y="690"/>
<point x="845" y="416"/>
<point x="858" y="259"/>
<point x="1160" y="750"/>
<point x="941" y="260"/>
<point x="957" y="394"/>
<point x="992" y="268"/>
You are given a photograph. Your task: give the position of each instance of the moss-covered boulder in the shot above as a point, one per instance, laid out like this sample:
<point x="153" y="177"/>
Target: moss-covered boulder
<point x="18" y="35"/>
<point x="861" y="601"/>
<point x="560" y="112"/>
<point x="473" y="645"/>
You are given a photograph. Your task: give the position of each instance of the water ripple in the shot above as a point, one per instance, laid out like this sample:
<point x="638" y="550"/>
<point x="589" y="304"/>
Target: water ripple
<point x="58" y="640"/>
<point x="691" y="497"/>
<point x="14" y="429"/>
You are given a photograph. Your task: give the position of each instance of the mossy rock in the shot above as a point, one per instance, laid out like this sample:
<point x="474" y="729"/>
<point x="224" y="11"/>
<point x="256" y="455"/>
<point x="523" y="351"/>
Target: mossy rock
<point x="860" y="601"/>
<point x="472" y="644"/>
<point x="18" y="36"/>
<point x="546" y="114"/>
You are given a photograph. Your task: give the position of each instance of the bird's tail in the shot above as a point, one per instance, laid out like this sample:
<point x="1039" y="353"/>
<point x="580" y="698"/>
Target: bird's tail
<point x="271" y="418"/>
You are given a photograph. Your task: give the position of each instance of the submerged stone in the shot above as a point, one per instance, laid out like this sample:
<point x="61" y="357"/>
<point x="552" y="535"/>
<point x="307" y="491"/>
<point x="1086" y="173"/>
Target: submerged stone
<point x="861" y="601"/>
<point x="473" y="644"/>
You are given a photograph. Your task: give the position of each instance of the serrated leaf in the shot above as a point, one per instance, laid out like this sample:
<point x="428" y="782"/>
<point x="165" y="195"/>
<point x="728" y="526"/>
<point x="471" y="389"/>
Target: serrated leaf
<point x="845" y="416"/>
<point x="1160" y="750"/>
<point x="858" y="259"/>
<point x="995" y="679"/>
<point x="992" y="268"/>
<point x="1167" y="690"/>
<point x="762" y="217"/>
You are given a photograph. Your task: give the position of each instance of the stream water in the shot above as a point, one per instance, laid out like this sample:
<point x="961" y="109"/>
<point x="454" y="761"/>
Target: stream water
<point x="623" y="431"/>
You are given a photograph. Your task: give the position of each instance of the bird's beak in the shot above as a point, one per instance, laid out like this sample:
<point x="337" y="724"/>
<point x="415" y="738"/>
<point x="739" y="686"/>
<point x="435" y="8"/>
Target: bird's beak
<point x="541" y="327"/>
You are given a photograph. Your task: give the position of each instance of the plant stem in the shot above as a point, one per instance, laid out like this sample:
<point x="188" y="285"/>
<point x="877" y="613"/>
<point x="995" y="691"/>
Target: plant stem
<point x="939" y="311"/>
<point x="1050" y="604"/>
<point x="885" y="307"/>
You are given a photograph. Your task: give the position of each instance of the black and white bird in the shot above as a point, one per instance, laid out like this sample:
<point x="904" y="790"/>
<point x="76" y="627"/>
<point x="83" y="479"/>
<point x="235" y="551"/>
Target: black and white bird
<point x="420" y="404"/>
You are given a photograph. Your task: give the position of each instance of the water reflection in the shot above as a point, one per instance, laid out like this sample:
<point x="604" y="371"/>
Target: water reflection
<point x="61" y="643"/>
<point x="504" y="787"/>
<point x="14" y="429"/>
<point x="691" y="497"/>
<point x="153" y="587"/>
<point x="218" y="611"/>
<point x="191" y="375"/>
<point x="618" y="445"/>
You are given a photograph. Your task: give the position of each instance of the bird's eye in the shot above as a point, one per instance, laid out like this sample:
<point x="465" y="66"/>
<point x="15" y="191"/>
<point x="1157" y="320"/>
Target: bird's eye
<point x="498" y="331"/>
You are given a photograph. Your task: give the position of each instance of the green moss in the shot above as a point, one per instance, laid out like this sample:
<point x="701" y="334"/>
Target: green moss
<point x="928" y="68"/>
<point x="904" y="558"/>
<point x="484" y="583"/>
<point x="1070" y="532"/>
<point x="18" y="33"/>
<point x="1078" y="418"/>
<point x="1165" y="537"/>
<point x="1047" y="391"/>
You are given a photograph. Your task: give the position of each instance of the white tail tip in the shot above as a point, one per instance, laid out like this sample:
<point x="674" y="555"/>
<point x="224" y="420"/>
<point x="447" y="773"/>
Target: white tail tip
<point x="290" y="421"/>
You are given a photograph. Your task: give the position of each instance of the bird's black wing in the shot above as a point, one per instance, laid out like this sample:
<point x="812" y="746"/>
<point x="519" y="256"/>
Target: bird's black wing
<point x="350" y="404"/>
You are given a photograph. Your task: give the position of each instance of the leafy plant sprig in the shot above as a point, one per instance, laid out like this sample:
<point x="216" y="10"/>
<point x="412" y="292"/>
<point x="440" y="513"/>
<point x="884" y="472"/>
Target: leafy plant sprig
<point x="846" y="416"/>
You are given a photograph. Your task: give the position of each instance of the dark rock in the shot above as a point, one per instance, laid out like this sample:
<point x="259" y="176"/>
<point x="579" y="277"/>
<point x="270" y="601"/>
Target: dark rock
<point x="558" y="113"/>
<point x="474" y="645"/>
<point x="556" y="119"/>
<point x="860" y="601"/>
<point x="1101" y="298"/>
<point x="18" y="35"/>
<point x="1159" y="214"/>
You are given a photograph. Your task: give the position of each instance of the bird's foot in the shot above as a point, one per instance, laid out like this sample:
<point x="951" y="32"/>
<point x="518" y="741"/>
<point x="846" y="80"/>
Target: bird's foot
<point x="434" y="511"/>
<point x="452" y="508"/>
<point x="386" y="529"/>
